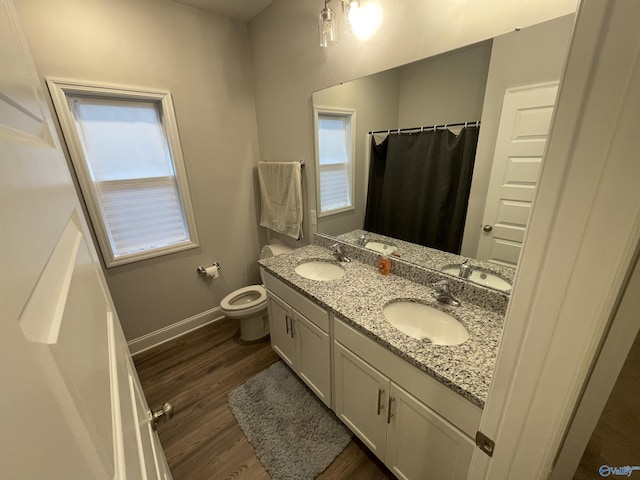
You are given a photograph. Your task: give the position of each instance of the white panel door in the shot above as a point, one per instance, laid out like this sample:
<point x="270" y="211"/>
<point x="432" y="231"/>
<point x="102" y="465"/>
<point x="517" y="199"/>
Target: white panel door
<point x="522" y="135"/>
<point x="68" y="406"/>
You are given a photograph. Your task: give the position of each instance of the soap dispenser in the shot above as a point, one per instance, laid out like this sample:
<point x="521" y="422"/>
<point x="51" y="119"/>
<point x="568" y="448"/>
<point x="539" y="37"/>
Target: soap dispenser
<point x="384" y="265"/>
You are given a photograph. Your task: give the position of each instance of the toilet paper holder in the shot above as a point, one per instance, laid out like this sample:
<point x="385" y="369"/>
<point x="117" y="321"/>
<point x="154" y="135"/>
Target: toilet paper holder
<point x="202" y="271"/>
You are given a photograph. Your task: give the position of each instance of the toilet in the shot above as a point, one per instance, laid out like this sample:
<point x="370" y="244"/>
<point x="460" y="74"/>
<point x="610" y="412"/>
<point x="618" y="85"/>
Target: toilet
<point x="249" y="304"/>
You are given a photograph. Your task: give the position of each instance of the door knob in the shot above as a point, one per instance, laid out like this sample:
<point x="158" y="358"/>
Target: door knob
<point x="164" y="414"/>
<point x="487" y="228"/>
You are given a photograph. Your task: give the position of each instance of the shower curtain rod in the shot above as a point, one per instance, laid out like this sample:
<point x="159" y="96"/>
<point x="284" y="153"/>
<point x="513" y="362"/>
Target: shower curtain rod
<point x="432" y="127"/>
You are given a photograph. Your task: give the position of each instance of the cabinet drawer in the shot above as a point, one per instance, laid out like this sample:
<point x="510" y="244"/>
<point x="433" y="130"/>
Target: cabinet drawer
<point x="447" y="403"/>
<point x="317" y="315"/>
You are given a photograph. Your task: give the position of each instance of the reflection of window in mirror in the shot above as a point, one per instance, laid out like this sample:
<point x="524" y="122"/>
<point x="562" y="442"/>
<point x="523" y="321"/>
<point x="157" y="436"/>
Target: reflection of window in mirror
<point x="335" y="130"/>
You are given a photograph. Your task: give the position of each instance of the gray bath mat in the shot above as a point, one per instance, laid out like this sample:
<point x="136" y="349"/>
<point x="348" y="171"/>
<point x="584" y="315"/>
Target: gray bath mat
<point x="294" y="434"/>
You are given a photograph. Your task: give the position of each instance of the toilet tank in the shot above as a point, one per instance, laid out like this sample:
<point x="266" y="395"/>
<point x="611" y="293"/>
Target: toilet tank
<point x="271" y="250"/>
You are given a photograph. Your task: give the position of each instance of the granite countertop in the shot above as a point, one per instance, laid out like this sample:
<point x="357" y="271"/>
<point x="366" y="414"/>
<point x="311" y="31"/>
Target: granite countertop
<point x="359" y="297"/>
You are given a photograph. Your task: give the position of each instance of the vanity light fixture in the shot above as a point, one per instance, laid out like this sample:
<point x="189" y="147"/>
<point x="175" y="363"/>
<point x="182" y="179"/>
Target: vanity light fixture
<point x="360" y="18"/>
<point x="363" y="18"/>
<point x="327" y="26"/>
<point x="350" y="8"/>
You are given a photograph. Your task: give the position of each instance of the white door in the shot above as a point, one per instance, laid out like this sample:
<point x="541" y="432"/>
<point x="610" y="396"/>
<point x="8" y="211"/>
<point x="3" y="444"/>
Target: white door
<point x="522" y="135"/>
<point x="70" y="400"/>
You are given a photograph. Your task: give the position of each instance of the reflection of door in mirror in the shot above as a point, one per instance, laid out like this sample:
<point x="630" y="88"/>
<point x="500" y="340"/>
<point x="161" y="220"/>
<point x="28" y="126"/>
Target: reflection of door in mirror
<point x="522" y="135"/>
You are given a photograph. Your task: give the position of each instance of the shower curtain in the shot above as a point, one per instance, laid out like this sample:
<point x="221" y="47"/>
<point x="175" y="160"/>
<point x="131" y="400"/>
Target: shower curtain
<point x="419" y="186"/>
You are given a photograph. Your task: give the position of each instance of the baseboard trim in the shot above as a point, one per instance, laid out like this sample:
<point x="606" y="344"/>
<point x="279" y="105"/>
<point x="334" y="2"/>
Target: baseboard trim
<point x="153" y="339"/>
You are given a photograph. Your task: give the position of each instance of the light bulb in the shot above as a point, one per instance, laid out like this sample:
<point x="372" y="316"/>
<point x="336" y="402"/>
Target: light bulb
<point x="364" y="19"/>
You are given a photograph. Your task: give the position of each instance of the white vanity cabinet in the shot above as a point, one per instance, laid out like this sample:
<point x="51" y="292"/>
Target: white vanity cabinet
<point x="383" y="400"/>
<point x="300" y="335"/>
<point x="417" y="426"/>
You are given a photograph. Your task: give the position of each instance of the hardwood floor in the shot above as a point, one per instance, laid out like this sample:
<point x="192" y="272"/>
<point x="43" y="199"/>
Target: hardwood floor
<point x="203" y="441"/>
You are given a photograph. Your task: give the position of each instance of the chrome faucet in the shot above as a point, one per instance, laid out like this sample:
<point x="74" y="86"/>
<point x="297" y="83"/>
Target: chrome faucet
<point x="443" y="293"/>
<point x="336" y="251"/>
<point x="465" y="269"/>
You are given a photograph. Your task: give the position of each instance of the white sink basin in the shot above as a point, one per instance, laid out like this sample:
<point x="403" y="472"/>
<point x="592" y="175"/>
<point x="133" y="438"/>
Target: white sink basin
<point x="483" y="278"/>
<point x="319" y="270"/>
<point x="425" y="323"/>
<point x="381" y="247"/>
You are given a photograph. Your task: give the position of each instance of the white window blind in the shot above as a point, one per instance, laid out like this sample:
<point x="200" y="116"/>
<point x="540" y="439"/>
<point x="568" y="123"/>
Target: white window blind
<point x="334" y="162"/>
<point x="129" y="174"/>
<point x="142" y="214"/>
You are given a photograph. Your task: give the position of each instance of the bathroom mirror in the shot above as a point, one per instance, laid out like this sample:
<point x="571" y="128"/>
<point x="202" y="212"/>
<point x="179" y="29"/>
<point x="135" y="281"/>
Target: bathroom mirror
<point x="464" y="85"/>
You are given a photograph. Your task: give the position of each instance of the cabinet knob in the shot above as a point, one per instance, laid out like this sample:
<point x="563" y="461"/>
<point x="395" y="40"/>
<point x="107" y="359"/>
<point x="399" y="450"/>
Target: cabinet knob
<point x="487" y="228"/>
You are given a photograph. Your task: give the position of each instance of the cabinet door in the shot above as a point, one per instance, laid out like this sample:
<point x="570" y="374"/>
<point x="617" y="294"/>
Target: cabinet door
<point x="361" y="399"/>
<point x="421" y="444"/>
<point x="313" y="350"/>
<point x="280" y="327"/>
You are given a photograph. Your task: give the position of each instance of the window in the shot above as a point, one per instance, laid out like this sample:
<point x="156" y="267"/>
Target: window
<point x="335" y="130"/>
<point x="126" y="152"/>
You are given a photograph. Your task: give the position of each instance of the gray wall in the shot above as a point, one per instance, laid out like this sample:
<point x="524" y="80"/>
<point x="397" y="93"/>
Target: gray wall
<point x="289" y="65"/>
<point x="532" y="55"/>
<point x="448" y="88"/>
<point x="204" y="60"/>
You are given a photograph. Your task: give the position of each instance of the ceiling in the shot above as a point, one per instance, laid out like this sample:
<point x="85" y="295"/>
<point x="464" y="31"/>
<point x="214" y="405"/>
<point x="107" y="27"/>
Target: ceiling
<point x="238" y="9"/>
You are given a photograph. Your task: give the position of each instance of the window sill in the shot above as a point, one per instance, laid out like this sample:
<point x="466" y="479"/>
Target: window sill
<point x="336" y="211"/>
<point x="148" y="254"/>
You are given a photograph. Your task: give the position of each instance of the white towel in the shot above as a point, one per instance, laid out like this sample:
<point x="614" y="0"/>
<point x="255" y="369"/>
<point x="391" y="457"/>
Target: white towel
<point x="281" y="195"/>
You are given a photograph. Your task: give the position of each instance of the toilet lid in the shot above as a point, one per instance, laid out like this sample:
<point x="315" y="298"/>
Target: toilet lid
<point x="244" y="298"/>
